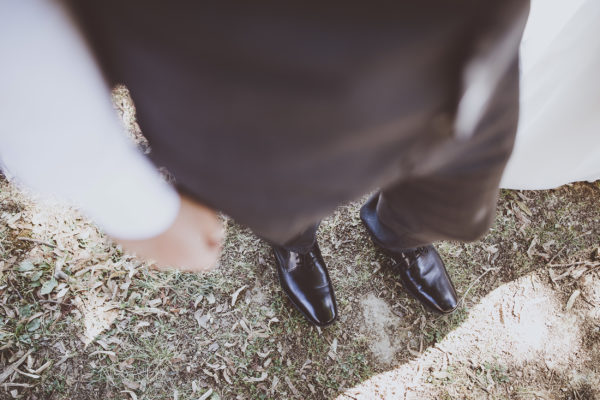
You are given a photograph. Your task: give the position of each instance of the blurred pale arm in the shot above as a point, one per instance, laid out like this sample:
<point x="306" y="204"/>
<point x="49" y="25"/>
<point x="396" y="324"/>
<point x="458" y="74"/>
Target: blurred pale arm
<point x="60" y="135"/>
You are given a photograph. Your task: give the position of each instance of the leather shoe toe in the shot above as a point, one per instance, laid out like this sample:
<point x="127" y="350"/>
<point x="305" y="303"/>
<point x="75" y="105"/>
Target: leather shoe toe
<point x="424" y="276"/>
<point x="304" y="279"/>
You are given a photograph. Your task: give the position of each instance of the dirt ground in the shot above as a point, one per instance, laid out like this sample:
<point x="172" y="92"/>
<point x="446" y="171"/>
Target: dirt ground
<point x="80" y="319"/>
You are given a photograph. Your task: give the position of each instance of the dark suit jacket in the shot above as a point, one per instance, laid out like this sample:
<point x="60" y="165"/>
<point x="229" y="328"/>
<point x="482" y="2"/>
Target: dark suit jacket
<point x="276" y="112"/>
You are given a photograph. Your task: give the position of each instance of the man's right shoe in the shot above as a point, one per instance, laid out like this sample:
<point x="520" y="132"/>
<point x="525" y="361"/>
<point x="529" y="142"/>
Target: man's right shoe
<point x="424" y="276"/>
<point x="304" y="279"/>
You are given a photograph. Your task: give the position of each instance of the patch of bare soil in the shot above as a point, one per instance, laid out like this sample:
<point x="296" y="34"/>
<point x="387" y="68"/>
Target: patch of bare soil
<point x="521" y="341"/>
<point x="380" y="325"/>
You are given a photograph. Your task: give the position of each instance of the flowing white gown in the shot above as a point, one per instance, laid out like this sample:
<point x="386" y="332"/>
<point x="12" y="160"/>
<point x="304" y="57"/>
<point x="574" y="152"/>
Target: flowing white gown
<point x="558" y="139"/>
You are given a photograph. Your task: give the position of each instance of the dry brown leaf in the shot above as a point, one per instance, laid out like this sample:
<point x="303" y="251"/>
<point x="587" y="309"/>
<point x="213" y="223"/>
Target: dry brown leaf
<point x="291" y="386"/>
<point x="210" y="298"/>
<point x="572" y="299"/>
<point x="235" y="295"/>
<point x="245" y="326"/>
<point x="215" y="376"/>
<point x="262" y="377"/>
<point x="226" y="376"/>
<point x="531" y="249"/>
<point x="274" y="384"/>
<point x="8" y="371"/>
<point x="111" y="354"/>
<point x="102" y="344"/>
<point x="263" y="355"/>
<point x="198" y="300"/>
<point x="524" y="207"/>
<point x="62" y="292"/>
<point x="578" y="271"/>
<point x="33" y="376"/>
<point x="202" y="319"/>
<point x="412" y="352"/>
<point x="132" y="394"/>
<point x="141" y="324"/>
<point x="131" y="384"/>
<point x="42" y="368"/>
<point x="154" y="302"/>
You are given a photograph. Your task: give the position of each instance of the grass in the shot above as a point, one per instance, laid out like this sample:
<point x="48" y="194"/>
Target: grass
<point x="496" y="372"/>
<point x="155" y="347"/>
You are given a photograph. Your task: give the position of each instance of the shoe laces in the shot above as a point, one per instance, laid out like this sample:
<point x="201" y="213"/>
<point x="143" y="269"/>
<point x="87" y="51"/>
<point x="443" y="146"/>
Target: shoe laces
<point x="411" y="255"/>
<point x="294" y="261"/>
<point x="419" y="251"/>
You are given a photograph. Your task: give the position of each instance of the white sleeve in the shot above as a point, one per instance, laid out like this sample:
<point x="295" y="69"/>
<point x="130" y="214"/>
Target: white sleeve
<point x="59" y="133"/>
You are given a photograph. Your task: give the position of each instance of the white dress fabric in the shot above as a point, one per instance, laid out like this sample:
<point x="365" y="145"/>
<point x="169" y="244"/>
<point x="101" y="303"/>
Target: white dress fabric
<point x="558" y="139"/>
<point x="59" y="133"/>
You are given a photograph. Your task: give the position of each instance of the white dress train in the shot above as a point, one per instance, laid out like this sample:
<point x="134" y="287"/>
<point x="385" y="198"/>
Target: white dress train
<point x="558" y="139"/>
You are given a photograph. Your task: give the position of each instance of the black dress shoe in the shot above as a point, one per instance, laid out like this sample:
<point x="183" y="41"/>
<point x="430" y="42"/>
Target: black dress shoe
<point x="305" y="281"/>
<point x="424" y="276"/>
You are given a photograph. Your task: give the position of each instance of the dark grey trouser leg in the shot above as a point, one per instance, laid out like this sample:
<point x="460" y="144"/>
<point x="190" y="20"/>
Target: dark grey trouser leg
<point x="303" y="242"/>
<point x="456" y="201"/>
<point x="418" y="213"/>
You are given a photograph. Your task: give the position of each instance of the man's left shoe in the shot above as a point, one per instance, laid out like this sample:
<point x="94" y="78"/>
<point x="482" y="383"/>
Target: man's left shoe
<point x="424" y="276"/>
<point x="304" y="279"/>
